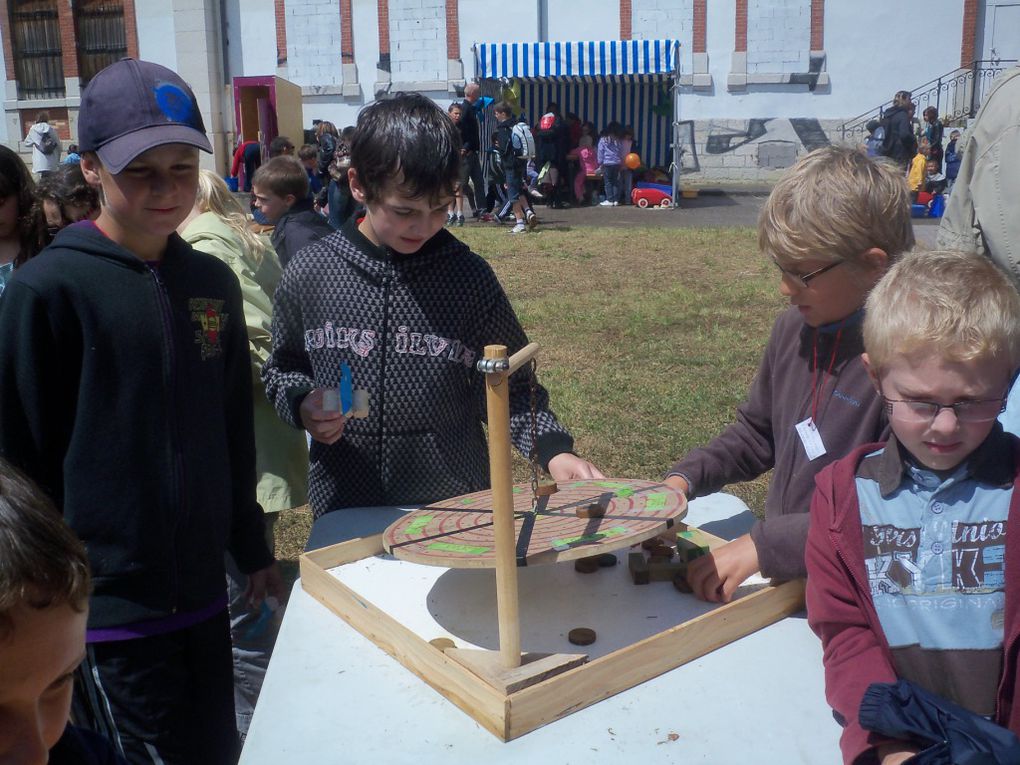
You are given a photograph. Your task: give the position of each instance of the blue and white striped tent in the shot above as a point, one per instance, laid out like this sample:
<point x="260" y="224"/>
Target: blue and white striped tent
<point x="629" y="81"/>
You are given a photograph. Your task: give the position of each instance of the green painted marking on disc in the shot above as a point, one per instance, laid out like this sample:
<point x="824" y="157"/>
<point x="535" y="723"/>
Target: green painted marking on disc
<point x="450" y="547"/>
<point x="615" y="531"/>
<point x="517" y="489"/>
<point x="466" y="501"/>
<point x="624" y="493"/>
<point x="613" y="485"/>
<point x="655" y="501"/>
<point x="417" y="525"/>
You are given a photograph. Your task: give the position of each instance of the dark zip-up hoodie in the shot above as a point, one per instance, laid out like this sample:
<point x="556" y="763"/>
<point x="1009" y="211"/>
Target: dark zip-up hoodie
<point x="125" y="392"/>
<point x="411" y="328"/>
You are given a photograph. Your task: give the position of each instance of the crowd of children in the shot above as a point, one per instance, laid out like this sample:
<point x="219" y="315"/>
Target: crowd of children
<point x="162" y="362"/>
<point x="931" y="168"/>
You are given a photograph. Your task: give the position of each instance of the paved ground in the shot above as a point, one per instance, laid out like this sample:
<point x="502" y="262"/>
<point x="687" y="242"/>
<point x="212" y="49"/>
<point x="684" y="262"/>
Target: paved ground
<point x="714" y="210"/>
<point x="708" y="210"/>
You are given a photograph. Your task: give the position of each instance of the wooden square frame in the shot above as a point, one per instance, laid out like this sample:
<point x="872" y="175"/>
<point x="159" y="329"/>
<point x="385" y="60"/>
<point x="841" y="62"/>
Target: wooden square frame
<point x="508" y="716"/>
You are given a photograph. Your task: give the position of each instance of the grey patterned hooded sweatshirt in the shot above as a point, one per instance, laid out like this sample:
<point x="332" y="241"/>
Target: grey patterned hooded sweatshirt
<point x="411" y="328"/>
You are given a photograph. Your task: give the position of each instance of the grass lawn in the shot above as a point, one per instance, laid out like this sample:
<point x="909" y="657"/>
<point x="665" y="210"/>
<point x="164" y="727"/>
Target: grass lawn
<point x="650" y="337"/>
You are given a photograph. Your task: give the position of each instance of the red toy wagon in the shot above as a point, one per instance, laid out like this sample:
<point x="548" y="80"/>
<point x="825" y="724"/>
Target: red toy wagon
<point x="652" y="195"/>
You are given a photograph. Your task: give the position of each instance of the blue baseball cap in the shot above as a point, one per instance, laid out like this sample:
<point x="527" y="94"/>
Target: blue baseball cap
<point x="133" y="106"/>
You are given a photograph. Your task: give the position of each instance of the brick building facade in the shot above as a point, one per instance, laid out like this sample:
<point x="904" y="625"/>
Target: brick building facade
<point x="761" y="80"/>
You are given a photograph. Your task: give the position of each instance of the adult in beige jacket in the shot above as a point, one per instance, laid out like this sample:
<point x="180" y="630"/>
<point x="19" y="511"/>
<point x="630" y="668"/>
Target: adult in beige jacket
<point x="983" y="213"/>
<point x="218" y="226"/>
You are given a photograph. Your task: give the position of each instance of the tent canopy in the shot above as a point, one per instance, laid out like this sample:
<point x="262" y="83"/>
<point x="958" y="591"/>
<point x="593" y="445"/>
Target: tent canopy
<point x="629" y="81"/>
<point x="592" y="59"/>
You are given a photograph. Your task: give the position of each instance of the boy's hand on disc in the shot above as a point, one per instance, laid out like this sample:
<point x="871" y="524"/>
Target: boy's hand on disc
<point x="569" y="467"/>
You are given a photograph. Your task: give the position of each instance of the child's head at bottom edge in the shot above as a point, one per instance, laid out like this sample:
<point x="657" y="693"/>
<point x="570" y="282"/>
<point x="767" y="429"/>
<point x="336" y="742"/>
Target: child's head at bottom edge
<point x="832" y="225"/>
<point x="942" y="341"/>
<point x="44" y="590"/>
<point x="405" y="166"/>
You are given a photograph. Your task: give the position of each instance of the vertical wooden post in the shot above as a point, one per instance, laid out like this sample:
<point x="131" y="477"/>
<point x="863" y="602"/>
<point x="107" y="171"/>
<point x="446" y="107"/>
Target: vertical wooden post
<point x="497" y="399"/>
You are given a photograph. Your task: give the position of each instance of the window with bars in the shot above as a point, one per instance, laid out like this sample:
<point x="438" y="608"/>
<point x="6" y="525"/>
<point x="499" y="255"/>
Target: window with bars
<point x="35" y="37"/>
<point x="102" y="40"/>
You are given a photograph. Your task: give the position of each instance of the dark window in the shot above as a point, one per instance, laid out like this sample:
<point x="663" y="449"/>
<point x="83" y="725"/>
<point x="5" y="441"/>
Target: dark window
<point x="99" y="27"/>
<point x="35" y="36"/>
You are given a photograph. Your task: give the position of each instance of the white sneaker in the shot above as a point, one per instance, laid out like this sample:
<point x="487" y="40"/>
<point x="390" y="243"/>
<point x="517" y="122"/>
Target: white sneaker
<point x="615" y="204"/>
<point x="532" y="221"/>
<point x="520" y="228"/>
<point x="605" y="203"/>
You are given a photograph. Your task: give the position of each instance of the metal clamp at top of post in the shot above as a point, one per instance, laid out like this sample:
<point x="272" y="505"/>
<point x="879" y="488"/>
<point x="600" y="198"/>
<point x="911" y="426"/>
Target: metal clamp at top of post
<point x="508" y="365"/>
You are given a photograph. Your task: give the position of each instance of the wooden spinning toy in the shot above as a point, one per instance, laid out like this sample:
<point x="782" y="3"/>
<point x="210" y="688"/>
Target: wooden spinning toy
<point x="507" y="527"/>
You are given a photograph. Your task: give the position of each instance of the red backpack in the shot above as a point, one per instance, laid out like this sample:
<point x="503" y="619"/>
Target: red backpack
<point x="547" y="125"/>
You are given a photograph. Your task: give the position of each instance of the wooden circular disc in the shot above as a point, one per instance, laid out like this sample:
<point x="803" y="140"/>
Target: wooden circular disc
<point x="680" y="582"/>
<point x="458" y="532"/>
<point x="586" y="565"/>
<point x="442" y="643"/>
<point x="581" y="636"/>
<point x="607" y="560"/>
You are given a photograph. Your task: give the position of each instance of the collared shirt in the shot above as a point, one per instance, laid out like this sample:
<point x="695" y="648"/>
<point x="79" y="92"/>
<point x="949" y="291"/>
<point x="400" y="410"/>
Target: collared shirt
<point x="934" y="549"/>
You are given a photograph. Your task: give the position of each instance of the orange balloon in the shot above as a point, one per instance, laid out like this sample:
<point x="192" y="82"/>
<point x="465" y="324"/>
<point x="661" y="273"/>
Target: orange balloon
<point x="632" y="161"/>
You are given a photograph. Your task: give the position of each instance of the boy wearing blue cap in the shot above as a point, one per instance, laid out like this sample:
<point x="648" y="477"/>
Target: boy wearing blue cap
<point x="125" y="392"/>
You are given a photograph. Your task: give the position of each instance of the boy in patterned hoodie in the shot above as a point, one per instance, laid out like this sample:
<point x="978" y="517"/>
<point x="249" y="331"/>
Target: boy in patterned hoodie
<point x="409" y="308"/>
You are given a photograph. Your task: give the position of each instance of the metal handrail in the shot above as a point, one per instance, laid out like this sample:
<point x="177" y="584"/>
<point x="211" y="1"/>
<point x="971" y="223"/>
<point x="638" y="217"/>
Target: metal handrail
<point x="961" y="91"/>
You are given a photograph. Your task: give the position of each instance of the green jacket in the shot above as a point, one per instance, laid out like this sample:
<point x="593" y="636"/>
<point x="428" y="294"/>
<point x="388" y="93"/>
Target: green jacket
<point x="281" y="452"/>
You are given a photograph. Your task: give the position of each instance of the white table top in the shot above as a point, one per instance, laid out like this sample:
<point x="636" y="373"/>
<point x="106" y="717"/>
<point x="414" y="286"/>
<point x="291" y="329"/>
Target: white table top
<point x="332" y="696"/>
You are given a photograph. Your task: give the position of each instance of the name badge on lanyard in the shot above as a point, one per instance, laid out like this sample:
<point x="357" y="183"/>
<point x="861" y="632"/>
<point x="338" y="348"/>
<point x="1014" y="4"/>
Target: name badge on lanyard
<point x="810" y="438"/>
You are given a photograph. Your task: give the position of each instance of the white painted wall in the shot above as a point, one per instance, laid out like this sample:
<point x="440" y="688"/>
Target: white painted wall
<point x="588" y="20"/>
<point x="313" y="42"/>
<point x="418" y="40"/>
<point x="872" y="51"/>
<point x="778" y="36"/>
<point x="674" y="19"/>
<point x="257" y="38"/>
<point x="156" y="39"/>
<point x="10" y="92"/>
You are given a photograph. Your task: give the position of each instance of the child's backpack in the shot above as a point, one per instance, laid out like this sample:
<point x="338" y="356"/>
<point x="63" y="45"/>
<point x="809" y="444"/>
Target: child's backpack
<point x="48" y="142"/>
<point x="547" y="125"/>
<point x="522" y="142"/>
<point x="341" y="161"/>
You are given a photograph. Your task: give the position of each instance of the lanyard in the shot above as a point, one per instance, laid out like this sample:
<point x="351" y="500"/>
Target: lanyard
<point x="815" y="388"/>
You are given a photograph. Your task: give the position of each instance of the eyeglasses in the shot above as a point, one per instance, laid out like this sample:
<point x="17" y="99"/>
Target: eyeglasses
<point x="977" y="410"/>
<point x="805" y="279"/>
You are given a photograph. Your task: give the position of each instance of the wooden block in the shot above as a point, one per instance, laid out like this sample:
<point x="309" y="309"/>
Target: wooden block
<point x="663" y="569"/>
<point x="330" y="400"/>
<point x="638" y="568"/>
<point x="680" y="582"/>
<point x="691" y="544"/>
<point x="662" y="551"/>
<point x="593" y="510"/>
<point x="359" y="404"/>
<point x="534" y="667"/>
<point x="547" y="487"/>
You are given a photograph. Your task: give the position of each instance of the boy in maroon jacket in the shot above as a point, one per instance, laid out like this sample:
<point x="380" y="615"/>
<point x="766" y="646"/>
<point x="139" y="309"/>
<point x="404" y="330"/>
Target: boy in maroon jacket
<point x="908" y="553"/>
